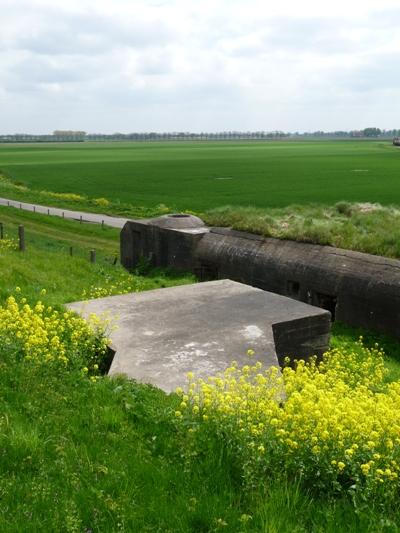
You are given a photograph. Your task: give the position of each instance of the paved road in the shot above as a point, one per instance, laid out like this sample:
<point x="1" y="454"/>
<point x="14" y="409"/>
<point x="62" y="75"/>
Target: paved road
<point x="95" y="218"/>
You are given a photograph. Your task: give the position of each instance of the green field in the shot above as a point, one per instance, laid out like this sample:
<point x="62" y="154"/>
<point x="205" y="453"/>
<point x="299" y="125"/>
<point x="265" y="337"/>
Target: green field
<point x="109" y="455"/>
<point x="203" y="175"/>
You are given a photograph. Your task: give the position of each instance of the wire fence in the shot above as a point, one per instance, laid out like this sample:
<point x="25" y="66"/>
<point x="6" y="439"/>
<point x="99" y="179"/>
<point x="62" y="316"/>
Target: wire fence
<point x="24" y="240"/>
<point x="87" y="217"/>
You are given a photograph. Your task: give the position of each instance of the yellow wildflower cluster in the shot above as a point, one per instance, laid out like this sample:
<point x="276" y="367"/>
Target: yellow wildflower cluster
<point x="336" y="423"/>
<point x="72" y="197"/>
<point x="125" y="284"/>
<point x="8" y="244"/>
<point x="102" y="202"/>
<point x="43" y="334"/>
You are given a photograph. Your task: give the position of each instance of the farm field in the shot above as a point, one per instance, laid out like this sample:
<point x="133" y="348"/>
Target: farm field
<point x="205" y="175"/>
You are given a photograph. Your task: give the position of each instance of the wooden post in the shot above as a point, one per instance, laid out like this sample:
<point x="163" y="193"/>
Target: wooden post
<point x="21" y="235"/>
<point x="102" y="224"/>
<point x="1" y="231"/>
<point x="34" y="208"/>
<point x="20" y="206"/>
<point x="80" y="220"/>
<point x="8" y="203"/>
<point x="92" y="256"/>
<point x="48" y="211"/>
<point x="71" y="251"/>
<point x="63" y="214"/>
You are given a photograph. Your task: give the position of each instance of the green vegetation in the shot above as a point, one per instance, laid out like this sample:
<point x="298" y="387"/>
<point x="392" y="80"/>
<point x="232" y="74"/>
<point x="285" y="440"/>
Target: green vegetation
<point x="79" y="452"/>
<point x="249" y="186"/>
<point x="366" y="227"/>
<point x="47" y="263"/>
<point x="334" y="424"/>
<point x="106" y="456"/>
<point x="203" y="175"/>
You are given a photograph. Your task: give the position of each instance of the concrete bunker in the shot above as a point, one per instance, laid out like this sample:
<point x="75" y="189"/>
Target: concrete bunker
<point x="165" y="333"/>
<point x="356" y="288"/>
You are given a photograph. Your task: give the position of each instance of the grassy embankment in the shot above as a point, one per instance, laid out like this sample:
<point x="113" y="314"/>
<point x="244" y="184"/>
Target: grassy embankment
<point x="47" y="263"/>
<point x="78" y="455"/>
<point x="332" y="188"/>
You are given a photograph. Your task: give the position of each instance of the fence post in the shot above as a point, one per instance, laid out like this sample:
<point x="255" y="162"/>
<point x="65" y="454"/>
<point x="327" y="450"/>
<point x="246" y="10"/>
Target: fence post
<point x="1" y="231"/>
<point x="34" y="208"/>
<point x="48" y="211"/>
<point x="63" y="214"/>
<point x="80" y="220"/>
<point x="71" y="251"/>
<point x="21" y="235"/>
<point x="102" y="224"/>
<point x="20" y="206"/>
<point x="92" y="256"/>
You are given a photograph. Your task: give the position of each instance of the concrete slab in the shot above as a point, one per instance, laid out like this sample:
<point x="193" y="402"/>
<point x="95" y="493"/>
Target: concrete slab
<point x="165" y="333"/>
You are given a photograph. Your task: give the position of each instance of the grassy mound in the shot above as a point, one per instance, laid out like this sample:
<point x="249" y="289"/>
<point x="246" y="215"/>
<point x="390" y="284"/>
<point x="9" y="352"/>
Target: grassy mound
<point x="82" y="452"/>
<point x="363" y="227"/>
<point x="47" y="263"/>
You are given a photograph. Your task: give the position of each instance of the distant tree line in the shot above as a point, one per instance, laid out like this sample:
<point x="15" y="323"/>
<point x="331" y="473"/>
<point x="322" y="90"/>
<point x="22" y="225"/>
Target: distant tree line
<point x="82" y="136"/>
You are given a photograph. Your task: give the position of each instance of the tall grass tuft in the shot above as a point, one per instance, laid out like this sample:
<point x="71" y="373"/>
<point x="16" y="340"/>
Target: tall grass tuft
<point x="363" y="227"/>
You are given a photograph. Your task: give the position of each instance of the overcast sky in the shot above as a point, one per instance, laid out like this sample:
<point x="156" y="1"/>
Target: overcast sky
<point x="198" y="65"/>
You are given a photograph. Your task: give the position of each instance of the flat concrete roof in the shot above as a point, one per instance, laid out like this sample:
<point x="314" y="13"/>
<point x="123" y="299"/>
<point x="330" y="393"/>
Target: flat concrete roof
<point x="163" y="334"/>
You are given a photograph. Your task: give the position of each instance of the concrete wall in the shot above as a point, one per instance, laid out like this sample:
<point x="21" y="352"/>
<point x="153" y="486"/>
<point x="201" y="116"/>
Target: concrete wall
<point x="358" y="289"/>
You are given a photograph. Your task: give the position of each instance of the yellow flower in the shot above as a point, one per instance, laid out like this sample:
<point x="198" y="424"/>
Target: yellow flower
<point x="365" y="468"/>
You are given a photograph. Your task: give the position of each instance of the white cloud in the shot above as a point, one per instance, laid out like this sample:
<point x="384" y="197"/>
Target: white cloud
<point x="136" y="65"/>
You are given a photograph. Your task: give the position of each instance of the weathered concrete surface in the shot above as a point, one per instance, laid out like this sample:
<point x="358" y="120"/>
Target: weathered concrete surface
<point x="166" y="241"/>
<point x="358" y="289"/>
<point x="165" y="333"/>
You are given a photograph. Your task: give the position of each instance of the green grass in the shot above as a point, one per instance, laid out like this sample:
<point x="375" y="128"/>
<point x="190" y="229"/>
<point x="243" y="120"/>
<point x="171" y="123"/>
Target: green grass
<point x="202" y="175"/>
<point x="370" y="228"/>
<point x="280" y="189"/>
<point x="78" y="456"/>
<point x="47" y="264"/>
<point x="344" y="336"/>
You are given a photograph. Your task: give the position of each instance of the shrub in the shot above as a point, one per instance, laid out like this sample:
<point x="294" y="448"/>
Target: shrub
<point x="42" y="334"/>
<point x="334" y="425"/>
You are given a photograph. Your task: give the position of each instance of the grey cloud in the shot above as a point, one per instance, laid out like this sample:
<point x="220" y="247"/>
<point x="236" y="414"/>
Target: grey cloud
<point x="35" y="72"/>
<point x="195" y="66"/>
<point x="319" y="35"/>
<point x="380" y="72"/>
<point x="54" y="32"/>
<point x="314" y="34"/>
